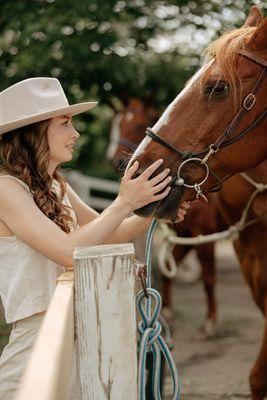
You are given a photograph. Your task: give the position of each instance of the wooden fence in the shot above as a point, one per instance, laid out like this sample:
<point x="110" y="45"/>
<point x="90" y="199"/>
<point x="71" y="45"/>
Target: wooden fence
<point x="96" y="192"/>
<point x="105" y="332"/>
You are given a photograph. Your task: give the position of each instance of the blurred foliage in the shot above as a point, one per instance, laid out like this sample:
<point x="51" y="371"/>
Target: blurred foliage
<point x="108" y="50"/>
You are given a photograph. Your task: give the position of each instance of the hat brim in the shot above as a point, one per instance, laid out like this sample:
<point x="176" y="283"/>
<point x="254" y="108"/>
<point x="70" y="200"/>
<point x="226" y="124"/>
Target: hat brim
<point x="74" y="109"/>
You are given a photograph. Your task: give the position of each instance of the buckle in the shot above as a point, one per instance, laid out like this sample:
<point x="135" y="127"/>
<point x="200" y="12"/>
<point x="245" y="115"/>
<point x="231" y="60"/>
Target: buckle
<point x="249" y="101"/>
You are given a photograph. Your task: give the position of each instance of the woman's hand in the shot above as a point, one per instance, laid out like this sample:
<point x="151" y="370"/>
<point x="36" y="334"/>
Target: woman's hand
<point x="182" y="211"/>
<point x="138" y="192"/>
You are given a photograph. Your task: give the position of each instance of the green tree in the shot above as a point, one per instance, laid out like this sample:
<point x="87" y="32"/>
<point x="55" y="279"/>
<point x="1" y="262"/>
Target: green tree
<point x="103" y="50"/>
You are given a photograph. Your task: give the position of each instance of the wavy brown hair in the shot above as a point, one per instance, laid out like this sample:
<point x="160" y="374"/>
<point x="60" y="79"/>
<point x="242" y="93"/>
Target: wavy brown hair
<point x="25" y="155"/>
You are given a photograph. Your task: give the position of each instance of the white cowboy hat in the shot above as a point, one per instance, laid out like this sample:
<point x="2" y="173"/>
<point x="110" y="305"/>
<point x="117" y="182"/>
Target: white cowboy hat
<point x="34" y="100"/>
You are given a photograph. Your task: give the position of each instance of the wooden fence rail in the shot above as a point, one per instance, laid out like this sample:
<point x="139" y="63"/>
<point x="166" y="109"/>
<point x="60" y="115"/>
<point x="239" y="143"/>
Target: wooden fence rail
<point x="50" y="366"/>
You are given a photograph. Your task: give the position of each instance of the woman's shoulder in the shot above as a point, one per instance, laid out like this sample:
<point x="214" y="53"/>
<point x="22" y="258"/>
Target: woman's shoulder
<point x="7" y="179"/>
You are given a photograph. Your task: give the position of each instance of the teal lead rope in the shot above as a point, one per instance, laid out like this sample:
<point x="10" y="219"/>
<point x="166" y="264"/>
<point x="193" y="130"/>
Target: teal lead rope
<point x="149" y="330"/>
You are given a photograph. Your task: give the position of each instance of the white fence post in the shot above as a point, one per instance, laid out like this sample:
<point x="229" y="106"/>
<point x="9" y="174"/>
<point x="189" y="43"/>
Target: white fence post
<point x="106" y="322"/>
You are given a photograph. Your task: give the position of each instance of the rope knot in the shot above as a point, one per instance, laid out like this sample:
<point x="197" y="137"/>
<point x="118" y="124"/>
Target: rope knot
<point x="261" y="187"/>
<point x="149" y="329"/>
<point x="234" y="231"/>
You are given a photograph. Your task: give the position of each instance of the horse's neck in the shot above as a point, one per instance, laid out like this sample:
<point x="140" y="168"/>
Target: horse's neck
<point x="237" y="191"/>
<point x="259" y="173"/>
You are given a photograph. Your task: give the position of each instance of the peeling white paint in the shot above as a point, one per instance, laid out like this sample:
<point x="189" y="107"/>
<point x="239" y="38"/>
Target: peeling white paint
<point x="106" y="322"/>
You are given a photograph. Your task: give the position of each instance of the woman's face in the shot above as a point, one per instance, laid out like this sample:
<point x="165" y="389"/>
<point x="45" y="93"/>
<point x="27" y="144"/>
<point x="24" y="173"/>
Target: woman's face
<point x="61" y="137"/>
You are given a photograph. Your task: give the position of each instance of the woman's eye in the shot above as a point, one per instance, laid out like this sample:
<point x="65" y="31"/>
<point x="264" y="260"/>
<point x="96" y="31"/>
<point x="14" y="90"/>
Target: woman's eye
<point x="217" y="88"/>
<point x="66" y="123"/>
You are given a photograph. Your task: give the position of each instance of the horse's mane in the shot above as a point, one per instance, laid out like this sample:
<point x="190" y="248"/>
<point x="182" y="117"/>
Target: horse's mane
<point x="225" y="50"/>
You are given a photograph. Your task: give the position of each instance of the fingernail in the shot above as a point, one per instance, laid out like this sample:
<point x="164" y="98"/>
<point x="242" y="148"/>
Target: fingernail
<point x="160" y="161"/>
<point x="167" y="170"/>
<point x="169" y="178"/>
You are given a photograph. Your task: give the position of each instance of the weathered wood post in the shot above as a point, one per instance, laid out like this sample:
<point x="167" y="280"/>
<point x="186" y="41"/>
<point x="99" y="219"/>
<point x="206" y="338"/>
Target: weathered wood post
<point x="106" y="322"/>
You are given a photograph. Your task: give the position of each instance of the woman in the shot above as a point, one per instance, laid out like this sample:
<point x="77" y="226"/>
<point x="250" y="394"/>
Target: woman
<point x="42" y="219"/>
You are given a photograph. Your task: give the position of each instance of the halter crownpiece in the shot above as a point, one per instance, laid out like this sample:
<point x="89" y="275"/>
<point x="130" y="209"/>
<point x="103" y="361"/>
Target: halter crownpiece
<point x="221" y="141"/>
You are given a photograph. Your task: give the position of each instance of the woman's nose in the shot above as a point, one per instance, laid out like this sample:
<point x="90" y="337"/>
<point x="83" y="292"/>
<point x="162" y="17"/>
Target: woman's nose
<point x="75" y="134"/>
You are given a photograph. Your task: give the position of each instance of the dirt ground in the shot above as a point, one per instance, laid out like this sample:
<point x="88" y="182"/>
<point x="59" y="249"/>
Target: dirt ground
<point x="216" y="369"/>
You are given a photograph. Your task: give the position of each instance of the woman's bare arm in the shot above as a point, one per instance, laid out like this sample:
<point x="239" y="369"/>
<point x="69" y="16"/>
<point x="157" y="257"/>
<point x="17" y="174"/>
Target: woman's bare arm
<point x="127" y="230"/>
<point x="25" y="220"/>
<point x="84" y="213"/>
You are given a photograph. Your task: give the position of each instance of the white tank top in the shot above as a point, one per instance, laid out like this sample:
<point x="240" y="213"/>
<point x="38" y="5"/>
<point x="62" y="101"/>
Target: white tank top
<point x="27" y="278"/>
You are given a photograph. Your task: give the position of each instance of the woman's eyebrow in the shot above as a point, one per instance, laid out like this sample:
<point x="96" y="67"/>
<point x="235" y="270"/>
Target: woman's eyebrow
<point x="66" y="117"/>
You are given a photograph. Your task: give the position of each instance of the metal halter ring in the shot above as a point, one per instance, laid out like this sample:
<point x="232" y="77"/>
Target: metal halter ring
<point x="180" y="181"/>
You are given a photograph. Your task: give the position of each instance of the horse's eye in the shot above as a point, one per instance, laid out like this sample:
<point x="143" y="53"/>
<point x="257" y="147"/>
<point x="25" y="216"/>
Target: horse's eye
<point x="217" y="88"/>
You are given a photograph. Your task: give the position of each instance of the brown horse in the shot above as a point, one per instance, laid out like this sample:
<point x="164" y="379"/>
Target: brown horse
<point x="128" y="128"/>
<point x="127" y="131"/>
<point x="215" y="128"/>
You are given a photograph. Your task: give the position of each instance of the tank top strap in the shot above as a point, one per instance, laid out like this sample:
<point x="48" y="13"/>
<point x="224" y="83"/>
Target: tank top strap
<point x="18" y="180"/>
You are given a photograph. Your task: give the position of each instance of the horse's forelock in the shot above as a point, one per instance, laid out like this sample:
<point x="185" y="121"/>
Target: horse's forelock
<point x="225" y="51"/>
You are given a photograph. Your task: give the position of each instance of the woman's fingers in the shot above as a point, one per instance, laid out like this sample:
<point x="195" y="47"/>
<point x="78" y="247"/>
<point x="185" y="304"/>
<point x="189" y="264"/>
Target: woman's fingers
<point x="151" y="169"/>
<point x="179" y="218"/>
<point x="132" y="170"/>
<point x="160" y="176"/>
<point x="185" y="205"/>
<point x="161" y="196"/>
<point x="182" y="211"/>
<point x="162" y="184"/>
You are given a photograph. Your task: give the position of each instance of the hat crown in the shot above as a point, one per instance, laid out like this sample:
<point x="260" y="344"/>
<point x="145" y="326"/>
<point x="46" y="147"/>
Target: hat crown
<point x="30" y="97"/>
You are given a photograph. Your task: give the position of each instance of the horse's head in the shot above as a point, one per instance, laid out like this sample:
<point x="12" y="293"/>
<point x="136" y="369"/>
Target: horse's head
<point x="216" y="126"/>
<point x="128" y="130"/>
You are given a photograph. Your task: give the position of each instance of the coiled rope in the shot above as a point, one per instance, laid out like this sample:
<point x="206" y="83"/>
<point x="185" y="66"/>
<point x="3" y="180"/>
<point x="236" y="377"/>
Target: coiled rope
<point x="149" y="329"/>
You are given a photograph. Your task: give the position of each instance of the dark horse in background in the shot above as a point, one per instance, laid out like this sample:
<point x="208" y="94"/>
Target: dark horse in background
<point x="127" y="131"/>
<point x="214" y="129"/>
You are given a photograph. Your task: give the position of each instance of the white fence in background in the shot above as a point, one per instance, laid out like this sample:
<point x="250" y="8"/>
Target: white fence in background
<point x="86" y="185"/>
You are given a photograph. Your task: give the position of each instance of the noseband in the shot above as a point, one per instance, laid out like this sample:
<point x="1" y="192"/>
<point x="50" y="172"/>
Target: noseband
<point x="201" y="157"/>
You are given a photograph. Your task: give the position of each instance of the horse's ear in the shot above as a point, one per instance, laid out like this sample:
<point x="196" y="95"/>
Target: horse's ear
<point x="258" y="40"/>
<point x="254" y="18"/>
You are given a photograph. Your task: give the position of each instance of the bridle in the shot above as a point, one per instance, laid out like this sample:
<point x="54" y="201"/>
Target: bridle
<point x="201" y="157"/>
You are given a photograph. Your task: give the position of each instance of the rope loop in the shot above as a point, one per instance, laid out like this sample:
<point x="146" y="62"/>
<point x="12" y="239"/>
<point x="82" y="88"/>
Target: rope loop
<point x="140" y="297"/>
<point x="151" y="340"/>
<point x="149" y="329"/>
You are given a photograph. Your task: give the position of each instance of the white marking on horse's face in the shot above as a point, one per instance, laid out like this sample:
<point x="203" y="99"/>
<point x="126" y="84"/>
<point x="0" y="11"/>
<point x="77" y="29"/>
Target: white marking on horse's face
<point x="139" y="150"/>
<point x="115" y="135"/>
<point x="165" y="116"/>
<point x="129" y="116"/>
